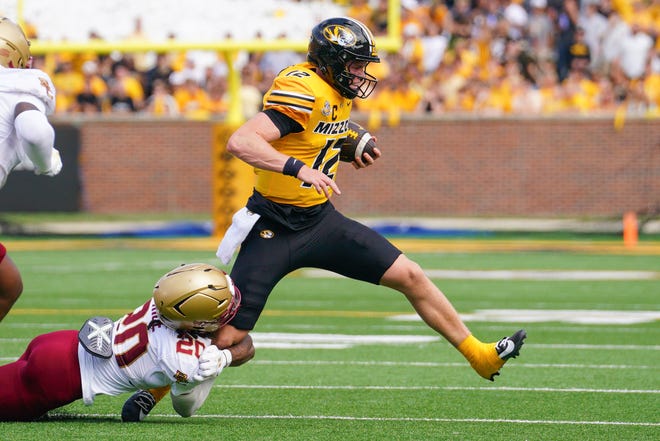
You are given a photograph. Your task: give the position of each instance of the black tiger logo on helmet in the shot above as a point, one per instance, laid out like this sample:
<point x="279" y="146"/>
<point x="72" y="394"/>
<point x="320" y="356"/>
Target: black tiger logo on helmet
<point x="337" y="43"/>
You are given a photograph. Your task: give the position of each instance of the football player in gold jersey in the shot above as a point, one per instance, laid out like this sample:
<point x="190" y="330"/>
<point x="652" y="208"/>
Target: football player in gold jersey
<point x="289" y="221"/>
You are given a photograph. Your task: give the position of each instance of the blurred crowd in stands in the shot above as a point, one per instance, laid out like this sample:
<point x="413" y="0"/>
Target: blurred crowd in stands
<point x="484" y="57"/>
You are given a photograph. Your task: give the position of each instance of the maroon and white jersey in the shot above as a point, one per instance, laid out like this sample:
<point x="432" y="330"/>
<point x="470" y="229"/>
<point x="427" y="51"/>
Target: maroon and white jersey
<point x="29" y="85"/>
<point x="146" y="354"/>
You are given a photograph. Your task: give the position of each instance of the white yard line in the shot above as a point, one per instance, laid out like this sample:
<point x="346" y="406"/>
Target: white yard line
<point x="433" y="388"/>
<point x="577" y="316"/>
<point x="508" y="274"/>
<point x="280" y="340"/>
<point x="517" y="274"/>
<point x="394" y="419"/>
<point x="426" y="364"/>
<point x="543" y="275"/>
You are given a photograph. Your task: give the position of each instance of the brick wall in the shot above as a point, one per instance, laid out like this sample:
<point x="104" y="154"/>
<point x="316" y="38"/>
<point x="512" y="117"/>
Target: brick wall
<point x="510" y="167"/>
<point x="444" y="167"/>
<point x="146" y="166"/>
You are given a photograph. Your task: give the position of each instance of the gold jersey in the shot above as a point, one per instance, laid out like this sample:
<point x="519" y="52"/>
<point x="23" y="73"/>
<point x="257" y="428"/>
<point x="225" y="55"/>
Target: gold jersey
<point x="301" y="94"/>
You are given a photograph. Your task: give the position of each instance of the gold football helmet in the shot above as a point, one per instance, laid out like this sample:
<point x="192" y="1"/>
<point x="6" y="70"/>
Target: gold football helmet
<point x="14" y="45"/>
<point x="197" y="297"/>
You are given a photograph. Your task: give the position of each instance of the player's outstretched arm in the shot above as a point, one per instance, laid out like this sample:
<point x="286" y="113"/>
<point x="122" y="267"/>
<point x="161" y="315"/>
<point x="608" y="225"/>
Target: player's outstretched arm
<point x="242" y="352"/>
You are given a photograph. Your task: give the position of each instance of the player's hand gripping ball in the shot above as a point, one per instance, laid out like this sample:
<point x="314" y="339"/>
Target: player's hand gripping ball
<point x="358" y="141"/>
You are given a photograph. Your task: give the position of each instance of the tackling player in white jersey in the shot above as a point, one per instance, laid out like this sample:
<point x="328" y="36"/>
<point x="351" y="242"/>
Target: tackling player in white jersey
<point x="168" y="341"/>
<point x="26" y="97"/>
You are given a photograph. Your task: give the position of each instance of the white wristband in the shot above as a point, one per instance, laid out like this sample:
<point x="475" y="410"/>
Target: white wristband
<point x="227" y="358"/>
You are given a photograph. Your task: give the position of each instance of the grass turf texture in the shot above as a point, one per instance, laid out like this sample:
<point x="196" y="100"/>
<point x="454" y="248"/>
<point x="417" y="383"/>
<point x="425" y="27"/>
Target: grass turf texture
<point x="573" y="381"/>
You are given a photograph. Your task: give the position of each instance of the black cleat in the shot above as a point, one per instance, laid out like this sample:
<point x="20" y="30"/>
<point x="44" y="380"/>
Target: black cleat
<point x="509" y="347"/>
<point x="138" y="406"/>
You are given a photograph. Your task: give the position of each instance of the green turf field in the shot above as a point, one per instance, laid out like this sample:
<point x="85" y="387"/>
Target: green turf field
<point x="343" y="360"/>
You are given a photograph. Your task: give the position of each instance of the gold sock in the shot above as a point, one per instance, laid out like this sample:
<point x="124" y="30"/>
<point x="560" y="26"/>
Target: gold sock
<point x="482" y="356"/>
<point x="159" y="392"/>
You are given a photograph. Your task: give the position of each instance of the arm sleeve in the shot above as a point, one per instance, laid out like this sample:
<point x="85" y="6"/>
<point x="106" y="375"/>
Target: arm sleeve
<point x="284" y="123"/>
<point x="36" y="136"/>
<point x="187" y="401"/>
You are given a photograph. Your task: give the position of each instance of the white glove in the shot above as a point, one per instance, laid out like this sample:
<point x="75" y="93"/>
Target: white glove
<point x="212" y="362"/>
<point x="55" y="164"/>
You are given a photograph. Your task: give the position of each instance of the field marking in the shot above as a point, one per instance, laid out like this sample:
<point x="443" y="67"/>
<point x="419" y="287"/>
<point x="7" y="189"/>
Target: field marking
<point x="408" y="245"/>
<point x="446" y="388"/>
<point x="426" y="364"/>
<point x="112" y="266"/>
<point x="456" y="274"/>
<point x="283" y="340"/>
<point x="516" y="274"/>
<point x="54" y="415"/>
<point x="577" y="316"/>
<point x="68" y="416"/>
<point x="275" y="340"/>
<point x="543" y="275"/>
<point x="432" y="420"/>
<point x="422" y="364"/>
<point x="598" y="347"/>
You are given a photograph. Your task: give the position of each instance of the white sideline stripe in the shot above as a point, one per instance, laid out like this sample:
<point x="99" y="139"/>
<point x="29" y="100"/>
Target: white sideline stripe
<point x="460" y="388"/>
<point x="516" y="274"/>
<point x="355" y="418"/>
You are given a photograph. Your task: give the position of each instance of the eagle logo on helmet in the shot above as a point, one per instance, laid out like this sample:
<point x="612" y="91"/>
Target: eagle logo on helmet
<point x="197" y="297"/>
<point x="14" y="45"/>
<point x="340" y="35"/>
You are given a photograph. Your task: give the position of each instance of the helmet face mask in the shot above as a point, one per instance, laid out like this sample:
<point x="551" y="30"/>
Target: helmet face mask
<point x="342" y="48"/>
<point x="14" y="46"/>
<point x="196" y="297"/>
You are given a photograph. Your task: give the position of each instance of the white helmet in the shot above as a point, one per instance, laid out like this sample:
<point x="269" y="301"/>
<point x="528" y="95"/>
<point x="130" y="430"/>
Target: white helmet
<point x="14" y="45"/>
<point x="196" y="296"/>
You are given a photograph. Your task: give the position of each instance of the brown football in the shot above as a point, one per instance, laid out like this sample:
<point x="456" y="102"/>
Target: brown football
<point x="358" y="141"/>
